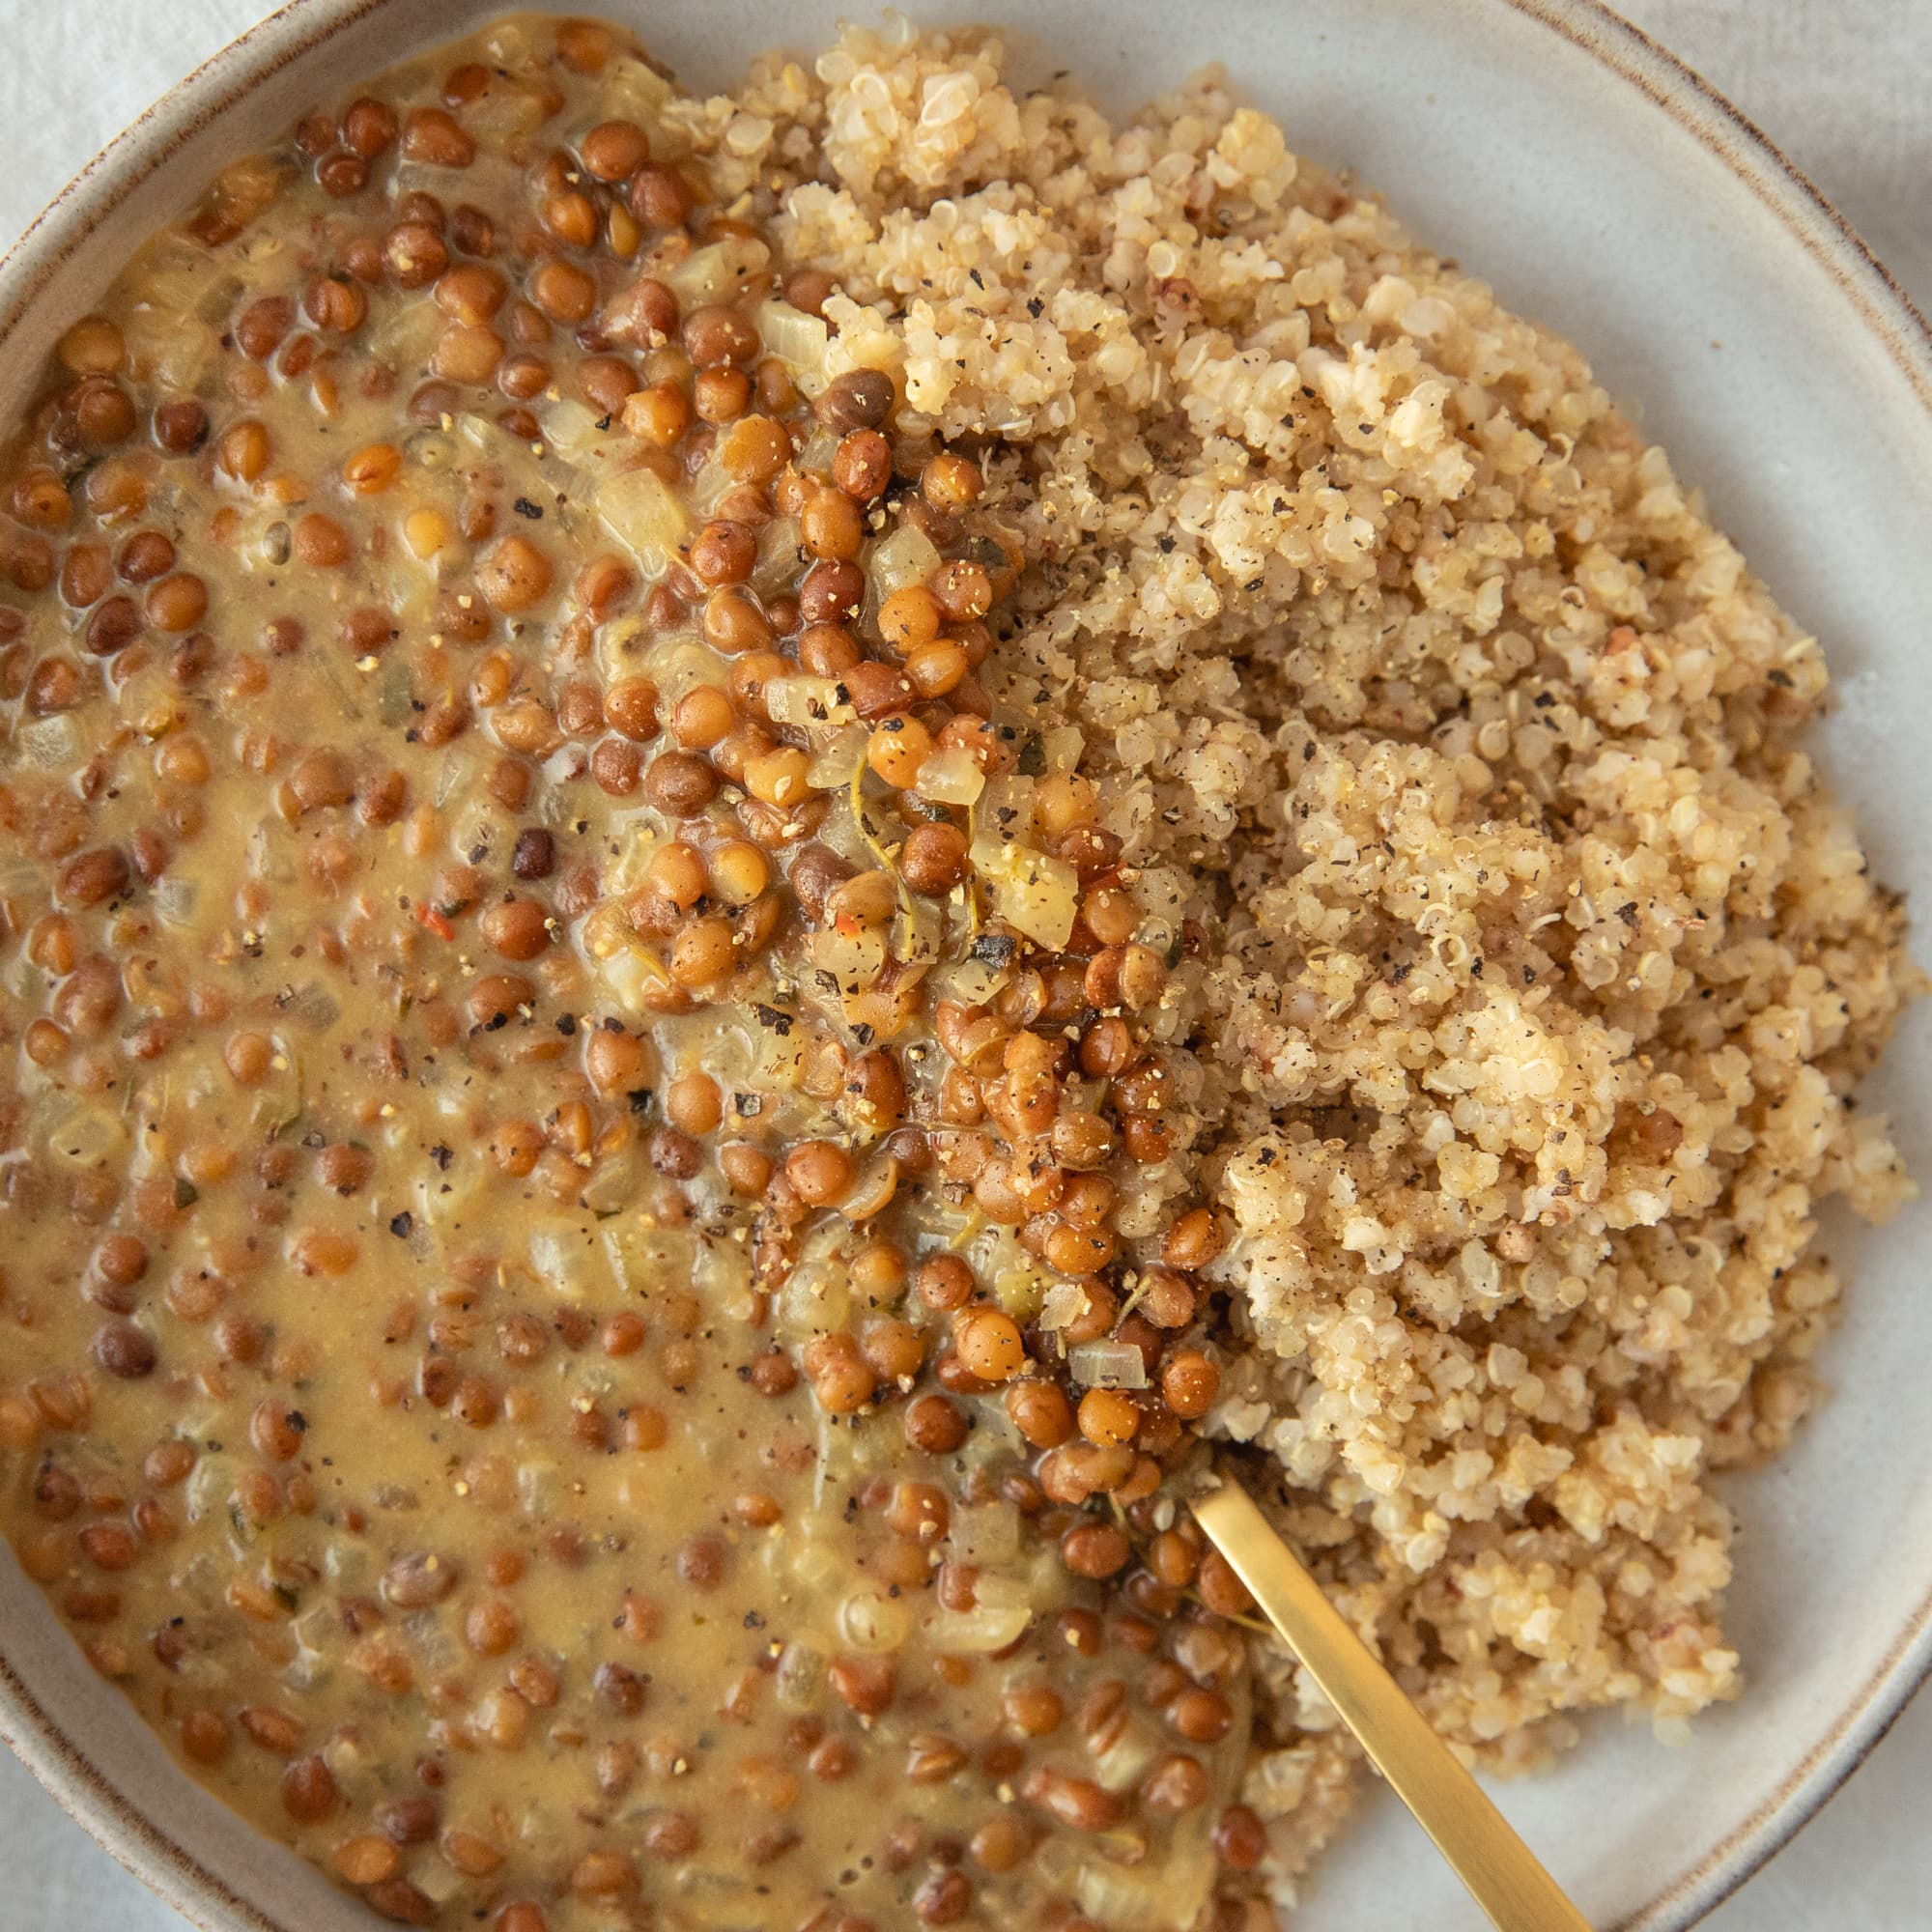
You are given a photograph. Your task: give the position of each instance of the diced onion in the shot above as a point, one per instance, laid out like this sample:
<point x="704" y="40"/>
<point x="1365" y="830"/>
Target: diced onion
<point x="1127" y="1757"/>
<point x="778" y="557"/>
<point x="641" y="1256"/>
<point x="209" y="1487"/>
<point x="570" y="428"/>
<point x="815" y="1566"/>
<point x="404" y="336"/>
<point x="950" y="777"/>
<point x="1033" y="892"/>
<point x="614" y="1184"/>
<point x="629" y="86"/>
<point x="872" y="1192"/>
<point x="1061" y="747"/>
<point x="438" y="1881"/>
<point x="175" y="898"/>
<point x="1113" y="1365"/>
<point x="1152" y="1899"/>
<point x="811" y="703"/>
<point x="979" y="1629"/>
<point x="563" y="764"/>
<point x="800" y="1677"/>
<point x="854" y="959"/>
<point x="1064" y="1304"/>
<point x="869" y="1622"/>
<point x="537" y="1485"/>
<point x="52" y="743"/>
<point x="998" y="1592"/>
<point x="316" y="1629"/>
<point x="535" y="469"/>
<point x="815" y="453"/>
<point x="645" y="513"/>
<point x="1020" y="1290"/>
<point x="559" y="1263"/>
<point x="347" y="1566"/>
<point x="86" y="1136"/>
<point x="972" y="983"/>
<point x="715" y="274"/>
<point x="986" y="1534"/>
<point x="815" y="1299"/>
<point x="907" y="557"/>
<point x="1005" y="814"/>
<point x="833" y="767"/>
<point x="794" y="337"/>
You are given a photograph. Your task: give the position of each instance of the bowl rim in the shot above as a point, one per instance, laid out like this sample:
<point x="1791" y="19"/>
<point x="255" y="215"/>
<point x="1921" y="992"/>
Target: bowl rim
<point x="1631" y="57"/>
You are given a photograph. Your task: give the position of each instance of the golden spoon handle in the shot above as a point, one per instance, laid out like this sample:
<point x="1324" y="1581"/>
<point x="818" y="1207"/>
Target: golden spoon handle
<point x="1501" y="1872"/>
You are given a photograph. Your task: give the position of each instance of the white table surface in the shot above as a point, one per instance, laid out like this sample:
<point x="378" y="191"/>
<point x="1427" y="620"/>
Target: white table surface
<point x="1838" y="84"/>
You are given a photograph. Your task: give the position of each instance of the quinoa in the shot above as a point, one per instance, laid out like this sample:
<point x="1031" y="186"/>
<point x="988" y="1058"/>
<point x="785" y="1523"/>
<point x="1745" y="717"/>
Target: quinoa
<point x="764" y="855"/>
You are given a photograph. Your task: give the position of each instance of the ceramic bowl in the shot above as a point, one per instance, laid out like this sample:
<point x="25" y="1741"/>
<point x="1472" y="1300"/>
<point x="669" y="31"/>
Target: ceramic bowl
<point x="1597" y="185"/>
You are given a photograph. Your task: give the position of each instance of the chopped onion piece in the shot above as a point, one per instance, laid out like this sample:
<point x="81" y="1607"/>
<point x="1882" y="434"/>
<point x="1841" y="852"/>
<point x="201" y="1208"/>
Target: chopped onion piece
<point x="998" y="1592"/>
<point x="811" y="703"/>
<point x="906" y="557"/>
<point x="972" y="983"/>
<point x="85" y="1136"/>
<point x="799" y="1676"/>
<point x="832" y="769"/>
<point x="854" y="959"/>
<point x="1032" y="892"/>
<point x="563" y="764"/>
<point x="404" y="336"/>
<point x="570" y="428"/>
<point x="1063" y="1306"/>
<point x="815" y="1566"/>
<point x="778" y="557"/>
<point x="1061" y="747"/>
<point x="557" y="1262"/>
<point x="1112" y="1365"/>
<point x="439" y="1881"/>
<point x="1005" y="814"/>
<point x="535" y="469"/>
<point x="349" y="1567"/>
<point x="1020" y="1290"/>
<point x="1127" y="1757"/>
<point x="715" y="274"/>
<point x="795" y="338"/>
<point x="872" y="1622"/>
<point x="950" y="777"/>
<point x="628" y="85"/>
<point x="51" y="743"/>
<point x="986" y="1533"/>
<point x="645" y="513"/>
<point x="815" y="453"/>
<point x="873" y="1190"/>
<point x="1152" y="1899"/>
<point x="979" y="1629"/>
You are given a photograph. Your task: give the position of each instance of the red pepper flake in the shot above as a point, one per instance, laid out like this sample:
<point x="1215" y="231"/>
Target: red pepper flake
<point x="436" y="924"/>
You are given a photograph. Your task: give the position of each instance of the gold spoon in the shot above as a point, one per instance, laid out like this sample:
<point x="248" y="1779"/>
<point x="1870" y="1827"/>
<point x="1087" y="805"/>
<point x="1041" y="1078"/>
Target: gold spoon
<point x="1501" y="1872"/>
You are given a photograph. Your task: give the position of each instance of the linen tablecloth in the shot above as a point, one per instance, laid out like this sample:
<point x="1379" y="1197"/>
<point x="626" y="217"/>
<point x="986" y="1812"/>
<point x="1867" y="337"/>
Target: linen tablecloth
<point x="1840" y="87"/>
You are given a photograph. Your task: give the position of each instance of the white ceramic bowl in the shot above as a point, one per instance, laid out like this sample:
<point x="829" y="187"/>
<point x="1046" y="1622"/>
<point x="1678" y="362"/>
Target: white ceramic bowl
<point x="1601" y="186"/>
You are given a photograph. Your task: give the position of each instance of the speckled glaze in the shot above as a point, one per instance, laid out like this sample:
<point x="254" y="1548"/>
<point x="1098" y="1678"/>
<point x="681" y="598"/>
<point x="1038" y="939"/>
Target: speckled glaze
<point x="1602" y="188"/>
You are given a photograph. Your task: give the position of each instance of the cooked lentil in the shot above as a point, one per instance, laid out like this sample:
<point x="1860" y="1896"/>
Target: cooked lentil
<point x="1123" y="813"/>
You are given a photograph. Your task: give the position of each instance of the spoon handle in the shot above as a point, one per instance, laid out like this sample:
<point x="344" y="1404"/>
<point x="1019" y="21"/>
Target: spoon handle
<point x="1501" y="1872"/>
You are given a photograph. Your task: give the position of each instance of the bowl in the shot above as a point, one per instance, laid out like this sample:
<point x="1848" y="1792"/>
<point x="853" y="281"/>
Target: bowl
<point x="1602" y="188"/>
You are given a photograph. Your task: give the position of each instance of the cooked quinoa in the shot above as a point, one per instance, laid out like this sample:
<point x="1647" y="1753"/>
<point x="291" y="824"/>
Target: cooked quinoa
<point x="763" y="856"/>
